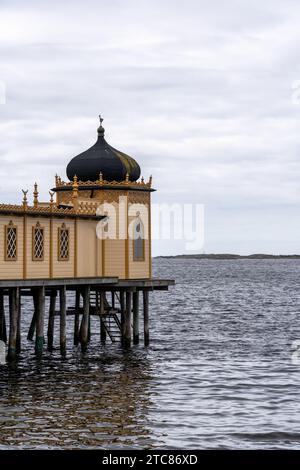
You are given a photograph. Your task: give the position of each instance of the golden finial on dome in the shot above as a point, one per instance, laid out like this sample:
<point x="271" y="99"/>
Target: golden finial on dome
<point x="101" y="128"/>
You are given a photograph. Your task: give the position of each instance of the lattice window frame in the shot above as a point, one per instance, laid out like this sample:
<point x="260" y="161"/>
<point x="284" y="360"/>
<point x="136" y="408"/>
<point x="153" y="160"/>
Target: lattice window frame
<point x="142" y="257"/>
<point x="63" y="231"/>
<point x="7" y="229"/>
<point x="38" y="251"/>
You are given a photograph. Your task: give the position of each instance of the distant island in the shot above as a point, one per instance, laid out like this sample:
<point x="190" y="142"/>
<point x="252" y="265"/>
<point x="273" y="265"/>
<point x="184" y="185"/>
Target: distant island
<point x="225" y="256"/>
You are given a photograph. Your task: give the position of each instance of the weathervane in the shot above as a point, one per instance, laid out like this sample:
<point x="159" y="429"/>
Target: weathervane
<point x="101" y="120"/>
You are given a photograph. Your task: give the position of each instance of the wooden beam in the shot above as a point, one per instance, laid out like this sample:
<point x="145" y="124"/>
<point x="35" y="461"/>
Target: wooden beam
<point x="146" y="316"/>
<point x="113" y="299"/>
<point x="102" y="326"/>
<point x="14" y="299"/>
<point x="3" y="333"/>
<point x="77" y="317"/>
<point x="63" y="317"/>
<point x="136" y="317"/>
<point x="50" y="333"/>
<point x="39" y="339"/>
<point x="33" y="320"/>
<point x="18" y="342"/>
<point x="55" y="282"/>
<point x="85" y="318"/>
<point x="122" y="309"/>
<point x="127" y="326"/>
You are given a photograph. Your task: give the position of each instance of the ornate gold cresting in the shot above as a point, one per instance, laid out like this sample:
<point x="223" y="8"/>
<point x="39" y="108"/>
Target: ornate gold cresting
<point x="138" y="184"/>
<point x="35" y="195"/>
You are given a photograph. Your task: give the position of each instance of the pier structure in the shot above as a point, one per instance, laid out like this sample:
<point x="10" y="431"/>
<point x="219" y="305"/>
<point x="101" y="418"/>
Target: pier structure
<point x="87" y="249"/>
<point x="119" y="305"/>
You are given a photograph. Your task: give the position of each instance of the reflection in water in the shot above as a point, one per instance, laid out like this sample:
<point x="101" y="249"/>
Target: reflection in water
<point x="77" y="402"/>
<point x="218" y="373"/>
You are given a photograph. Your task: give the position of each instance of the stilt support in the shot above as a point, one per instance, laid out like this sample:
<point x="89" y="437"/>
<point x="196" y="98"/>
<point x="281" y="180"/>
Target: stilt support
<point x="122" y="310"/>
<point x="33" y="321"/>
<point x="85" y="318"/>
<point x="102" y="327"/>
<point x="136" y="317"/>
<point x="146" y="316"/>
<point x="77" y="317"/>
<point x="18" y="343"/>
<point x="40" y="314"/>
<point x="14" y="299"/>
<point x="63" y="319"/>
<point x="3" y="333"/>
<point x="127" y="325"/>
<point x="50" y="333"/>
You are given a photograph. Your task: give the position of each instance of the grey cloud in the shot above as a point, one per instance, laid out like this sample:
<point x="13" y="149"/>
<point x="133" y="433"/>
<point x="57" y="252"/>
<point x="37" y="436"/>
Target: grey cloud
<point x="199" y="93"/>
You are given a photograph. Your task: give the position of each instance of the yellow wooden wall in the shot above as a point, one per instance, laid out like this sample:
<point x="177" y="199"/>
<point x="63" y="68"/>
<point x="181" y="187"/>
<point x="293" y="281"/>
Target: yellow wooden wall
<point x="37" y="268"/>
<point x="11" y="269"/>
<point x="89" y="250"/>
<point x="139" y="269"/>
<point x="63" y="268"/>
<point x="95" y="257"/>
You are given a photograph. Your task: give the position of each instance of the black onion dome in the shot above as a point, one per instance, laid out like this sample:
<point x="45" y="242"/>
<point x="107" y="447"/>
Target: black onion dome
<point x="102" y="158"/>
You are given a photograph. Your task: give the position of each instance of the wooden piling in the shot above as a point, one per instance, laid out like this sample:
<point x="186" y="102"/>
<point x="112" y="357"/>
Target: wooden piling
<point x="136" y="335"/>
<point x="127" y="325"/>
<point x="77" y="317"/>
<point x="14" y="298"/>
<point x="63" y="319"/>
<point x="85" y="318"/>
<point x="33" y="321"/>
<point x="50" y="332"/>
<point x="113" y="302"/>
<point x="146" y="317"/>
<point x="89" y="329"/>
<point x="40" y="314"/>
<point x="102" y="326"/>
<point x="3" y="333"/>
<point x="18" y="342"/>
<point x="122" y="311"/>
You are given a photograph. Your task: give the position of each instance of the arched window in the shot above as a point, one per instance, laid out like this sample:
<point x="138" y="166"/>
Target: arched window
<point x="37" y="242"/>
<point x="138" y="241"/>
<point x="63" y="243"/>
<point x="11" y="242"/>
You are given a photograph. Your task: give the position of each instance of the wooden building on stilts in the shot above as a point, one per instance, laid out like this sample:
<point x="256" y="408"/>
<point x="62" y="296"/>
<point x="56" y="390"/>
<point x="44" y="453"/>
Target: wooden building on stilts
<point x="92" y="238"/>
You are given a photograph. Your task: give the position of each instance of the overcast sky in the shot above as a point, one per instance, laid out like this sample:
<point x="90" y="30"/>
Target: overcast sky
<point x="199" y="92"/>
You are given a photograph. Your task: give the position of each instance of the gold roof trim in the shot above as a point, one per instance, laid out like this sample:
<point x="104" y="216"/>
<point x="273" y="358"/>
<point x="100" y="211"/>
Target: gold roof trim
<point x="139" y="184"/>
<point x="83" y="211"/>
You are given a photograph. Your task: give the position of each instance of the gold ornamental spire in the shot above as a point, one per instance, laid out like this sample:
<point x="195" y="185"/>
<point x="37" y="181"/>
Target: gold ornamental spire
<point x="35" y="195"/>
<point x="25" y="202"/>
<point x="75" y="193"/>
